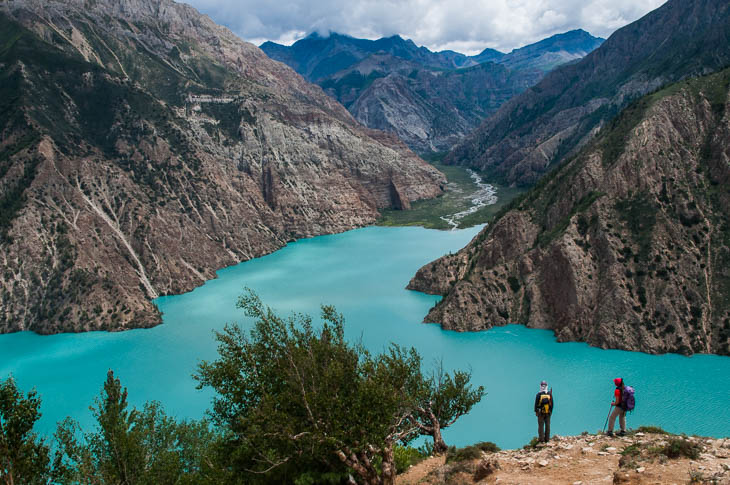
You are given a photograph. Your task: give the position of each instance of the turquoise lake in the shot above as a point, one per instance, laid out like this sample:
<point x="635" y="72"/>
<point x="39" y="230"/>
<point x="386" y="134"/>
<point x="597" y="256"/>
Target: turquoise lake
<point x="364" y="273"/>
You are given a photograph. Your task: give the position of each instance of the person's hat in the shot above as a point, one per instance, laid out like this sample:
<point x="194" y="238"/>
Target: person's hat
<point x="543" y="383"/>
<point x="618" y="381"/>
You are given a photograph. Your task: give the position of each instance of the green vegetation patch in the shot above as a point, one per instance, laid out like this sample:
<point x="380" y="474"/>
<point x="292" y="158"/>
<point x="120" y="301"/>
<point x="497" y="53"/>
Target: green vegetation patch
<point x="408" y="456"/>
<point x="469" y="453"/>
<point x="639" y="215"/>
<point x="618" y="131"/>
<point x="674" y="448"/>
<point x="547" y="236"/>
<point x="428" y="213"/>
<point x="681" y="447"/>
<point x="651" y="430"/>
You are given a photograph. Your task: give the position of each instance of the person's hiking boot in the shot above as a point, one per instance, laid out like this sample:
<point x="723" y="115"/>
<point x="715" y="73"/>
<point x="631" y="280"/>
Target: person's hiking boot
<point x="621" y="433"/>
<point x="609" y="433"/>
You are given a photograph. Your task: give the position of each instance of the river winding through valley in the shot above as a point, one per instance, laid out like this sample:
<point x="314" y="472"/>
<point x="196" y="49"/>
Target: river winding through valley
<point x="485" y="195"/>
<point x="364" y="273"/>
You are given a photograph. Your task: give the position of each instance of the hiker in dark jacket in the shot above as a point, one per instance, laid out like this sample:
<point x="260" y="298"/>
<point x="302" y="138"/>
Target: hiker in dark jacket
<point x="543" y="410"/>
<point x="618" y="410"/>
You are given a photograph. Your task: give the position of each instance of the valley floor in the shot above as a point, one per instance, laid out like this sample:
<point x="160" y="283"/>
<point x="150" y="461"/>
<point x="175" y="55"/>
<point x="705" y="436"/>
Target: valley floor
<point x="459" y="197"/>
<point x="638" y="458"/>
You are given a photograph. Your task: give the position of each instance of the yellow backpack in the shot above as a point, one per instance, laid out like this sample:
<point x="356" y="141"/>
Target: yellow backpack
<point x="545" y="400"/>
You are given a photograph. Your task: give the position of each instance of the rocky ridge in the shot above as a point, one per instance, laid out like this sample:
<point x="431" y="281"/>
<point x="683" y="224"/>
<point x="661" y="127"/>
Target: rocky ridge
<point x="144" y="147"/>
<point x="638" y="458"/>
<point x="546" y="124"/>
<point x="625" y="246"/>
<point x="431" y="110"/>
<point x="431" y="100"/>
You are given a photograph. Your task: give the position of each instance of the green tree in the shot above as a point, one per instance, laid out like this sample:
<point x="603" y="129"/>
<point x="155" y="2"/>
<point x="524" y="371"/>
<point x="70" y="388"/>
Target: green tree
<point x="24" y="458"/>
<point x="131" y="447"/>
<point x="299" y="403"/>
<point x="442" y="399"/>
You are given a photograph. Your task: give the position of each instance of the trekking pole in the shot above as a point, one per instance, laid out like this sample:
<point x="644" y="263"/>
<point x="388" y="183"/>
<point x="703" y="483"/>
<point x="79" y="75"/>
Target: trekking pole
<point x="607" y="416"/>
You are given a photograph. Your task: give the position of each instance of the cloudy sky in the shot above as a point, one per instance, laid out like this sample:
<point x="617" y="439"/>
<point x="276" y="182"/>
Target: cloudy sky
<point x="463" y="25"/>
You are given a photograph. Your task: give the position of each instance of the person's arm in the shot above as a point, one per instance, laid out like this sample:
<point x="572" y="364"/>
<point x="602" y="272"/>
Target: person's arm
<point x="552" y="401"/>
<point x="616" y="397"/>
<point x="537" y="403"/>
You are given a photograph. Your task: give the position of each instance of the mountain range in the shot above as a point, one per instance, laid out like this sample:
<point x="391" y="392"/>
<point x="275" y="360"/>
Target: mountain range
<point x="431" y="100"/>
<point x="625" y="243"/>
<point x="549" y="122"/>
<point x="144" y="147"/>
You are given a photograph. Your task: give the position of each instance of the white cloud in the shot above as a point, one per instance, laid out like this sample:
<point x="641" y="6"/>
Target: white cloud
<point x="464" y="25"/>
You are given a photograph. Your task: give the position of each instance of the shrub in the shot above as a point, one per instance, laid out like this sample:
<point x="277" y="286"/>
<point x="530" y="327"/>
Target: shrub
<point x="629" y="455"/>
<point x="407" y="456"/>
<point x="631" y="450"/>
<point x="456" y="469"/>
<point x="681" y="447"/>
<point x="651" y="430"/>
<point x="469" y="453"/>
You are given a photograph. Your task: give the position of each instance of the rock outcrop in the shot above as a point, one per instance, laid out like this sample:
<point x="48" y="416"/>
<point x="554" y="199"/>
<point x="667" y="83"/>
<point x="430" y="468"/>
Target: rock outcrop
<point x="624" y="246"/>
<point x="431" y="100"/>
<point x="548" y="123"/>
<point x="641" y="457"/>
<point x="144" y="147"/>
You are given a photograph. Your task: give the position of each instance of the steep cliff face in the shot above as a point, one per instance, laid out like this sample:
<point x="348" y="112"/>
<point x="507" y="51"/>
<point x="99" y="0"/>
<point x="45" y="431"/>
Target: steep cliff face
<point x="144" y="147"/>
<point x="538" y="129"/>
<point x="430" y="100"/>
<point x="627" y="245"/>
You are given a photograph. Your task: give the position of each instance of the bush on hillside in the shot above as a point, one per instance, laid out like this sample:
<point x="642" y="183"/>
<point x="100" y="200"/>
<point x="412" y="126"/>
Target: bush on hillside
<point x="472" y="452"/>
<point x="681" y="447"/>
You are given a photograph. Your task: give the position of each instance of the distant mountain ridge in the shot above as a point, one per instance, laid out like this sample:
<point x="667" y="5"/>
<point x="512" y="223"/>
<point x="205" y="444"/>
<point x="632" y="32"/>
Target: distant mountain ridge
<point x="393" y="85"/>
<point x="317" y="57"/>
<point x="548" y="122"/>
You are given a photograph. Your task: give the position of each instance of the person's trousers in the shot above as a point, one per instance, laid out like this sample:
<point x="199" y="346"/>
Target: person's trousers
<point x="543" y="427"/>
<point x="617" y="411"/>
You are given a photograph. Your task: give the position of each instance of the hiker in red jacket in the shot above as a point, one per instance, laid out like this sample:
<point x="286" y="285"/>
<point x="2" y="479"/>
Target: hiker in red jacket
<point x="543" y="411"/>
<point x="618" y="410"/>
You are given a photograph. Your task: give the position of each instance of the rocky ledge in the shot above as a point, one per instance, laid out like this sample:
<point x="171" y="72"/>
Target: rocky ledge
<point x="638" y="458"/>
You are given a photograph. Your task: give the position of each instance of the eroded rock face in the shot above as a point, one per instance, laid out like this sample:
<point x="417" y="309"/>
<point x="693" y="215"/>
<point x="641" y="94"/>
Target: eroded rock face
<point x="147" y="147"/>
<point x="433" y="110"/>
<point x="627" y="246"/>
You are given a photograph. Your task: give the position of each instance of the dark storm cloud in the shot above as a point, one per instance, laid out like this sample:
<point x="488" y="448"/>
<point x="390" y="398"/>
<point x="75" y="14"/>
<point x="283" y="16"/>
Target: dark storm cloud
<point x="462" y="25"/>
